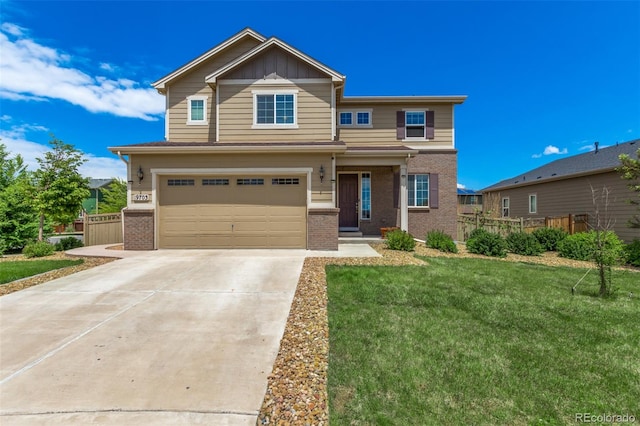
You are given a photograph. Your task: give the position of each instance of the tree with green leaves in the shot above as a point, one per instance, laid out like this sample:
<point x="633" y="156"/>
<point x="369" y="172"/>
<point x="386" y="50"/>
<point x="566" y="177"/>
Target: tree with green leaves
<point x="18" y="217"/>
<point x="59" y="187"/>
<point x="115" y="197"/>
<point x="630" y="170"/>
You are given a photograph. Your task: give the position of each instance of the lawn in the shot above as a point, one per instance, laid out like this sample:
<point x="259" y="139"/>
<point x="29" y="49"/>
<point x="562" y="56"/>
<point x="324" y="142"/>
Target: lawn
<point x="473" y="341"/>
<point x="11" y="271"/>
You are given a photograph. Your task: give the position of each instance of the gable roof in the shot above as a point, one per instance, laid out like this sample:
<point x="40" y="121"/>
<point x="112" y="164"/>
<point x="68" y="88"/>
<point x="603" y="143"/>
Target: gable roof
<point x="160" y="85"/>
<point x="273" y="41"/>
<point x="597" y="161"/>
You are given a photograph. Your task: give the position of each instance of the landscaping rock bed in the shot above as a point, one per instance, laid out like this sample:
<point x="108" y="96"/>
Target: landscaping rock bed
<point x="89" y="262"/>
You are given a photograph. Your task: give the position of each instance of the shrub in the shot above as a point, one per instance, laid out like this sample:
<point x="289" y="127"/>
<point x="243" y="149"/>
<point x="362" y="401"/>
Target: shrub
<point x="68" y="243"/>
<point x="524" y="244"/>
<point x="550" y="237"/>
<point x="38" y="249"/>
<point x="582" y="246"/>
<point x="487" y="243"/>
<point x="400" y="240"/>
<point x="632" y="251"/>
<point x="3" y="246"/>
<point x="440" y="241"/>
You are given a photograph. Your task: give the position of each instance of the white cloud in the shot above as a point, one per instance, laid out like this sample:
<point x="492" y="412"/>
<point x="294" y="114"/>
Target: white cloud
<point x="17" y="143"/>
<point x="551" y="150"/>
<point x="461" y="186"/>
<point x="31" y="71"/>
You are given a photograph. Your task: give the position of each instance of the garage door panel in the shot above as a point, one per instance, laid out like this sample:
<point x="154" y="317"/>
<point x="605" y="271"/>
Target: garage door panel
<point x="231" y="216"/>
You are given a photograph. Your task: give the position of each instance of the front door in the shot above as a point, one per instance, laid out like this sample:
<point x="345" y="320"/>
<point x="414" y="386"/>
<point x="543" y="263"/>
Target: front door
<point x="348" y="200"/>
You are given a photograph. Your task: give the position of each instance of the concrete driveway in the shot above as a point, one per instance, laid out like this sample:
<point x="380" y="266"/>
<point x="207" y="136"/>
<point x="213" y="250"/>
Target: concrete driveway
<point x="165" y="338"/>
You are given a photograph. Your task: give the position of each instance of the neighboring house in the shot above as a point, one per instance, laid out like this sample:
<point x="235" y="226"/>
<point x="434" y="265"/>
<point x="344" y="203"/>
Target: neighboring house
<point x="96" y="186"/>
<point x="263" y="149"/>
<point x="469" y="201"/>
<point x="564" y="187"/>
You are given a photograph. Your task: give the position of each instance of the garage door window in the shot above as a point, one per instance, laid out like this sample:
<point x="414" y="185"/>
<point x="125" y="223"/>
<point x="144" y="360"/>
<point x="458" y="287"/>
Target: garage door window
<point x="214" y="182"/>
<point x="181" y="182"/>
<point x="256" y="181"/>
<point x="285" y="181"/>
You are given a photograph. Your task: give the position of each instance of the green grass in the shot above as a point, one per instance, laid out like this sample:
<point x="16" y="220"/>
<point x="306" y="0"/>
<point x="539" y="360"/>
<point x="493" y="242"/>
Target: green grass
<point x="11" y="271"/>
<point x="474" y="341"/>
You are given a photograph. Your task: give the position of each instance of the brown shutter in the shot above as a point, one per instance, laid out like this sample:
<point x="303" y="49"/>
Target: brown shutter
<point x="433" y="190"/>
<point x="399" y="124"/>
<point x="430" y="122"/>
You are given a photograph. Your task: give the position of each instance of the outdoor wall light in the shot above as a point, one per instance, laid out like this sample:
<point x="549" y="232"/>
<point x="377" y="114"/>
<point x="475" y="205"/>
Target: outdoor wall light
<point x="140" y="174"/>
<point x="321" y="173"/>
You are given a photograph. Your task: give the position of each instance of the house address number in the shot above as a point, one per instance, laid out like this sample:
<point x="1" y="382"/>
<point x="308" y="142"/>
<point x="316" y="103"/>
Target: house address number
<point x="141" y="197"/>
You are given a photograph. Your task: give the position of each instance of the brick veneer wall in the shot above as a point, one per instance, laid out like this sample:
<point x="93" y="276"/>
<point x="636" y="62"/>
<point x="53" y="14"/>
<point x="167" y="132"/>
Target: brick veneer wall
<point x="322" y="229"/>
<point x="138" y="229"/>
<point x="444" y="218"/>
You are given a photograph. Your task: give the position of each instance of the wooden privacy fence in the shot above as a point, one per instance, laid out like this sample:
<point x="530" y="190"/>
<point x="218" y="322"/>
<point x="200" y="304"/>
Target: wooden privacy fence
<point x="102" y="229"/>
<point x="504" y="226"/>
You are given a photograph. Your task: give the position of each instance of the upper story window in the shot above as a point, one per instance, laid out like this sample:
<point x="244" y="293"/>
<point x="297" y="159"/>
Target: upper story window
<point x="197" y="113"/>
<point x="346" y="118"/>
<point x="361" y="118"/>
<point x="414" y="124"/>
<point x="275" y="109"/>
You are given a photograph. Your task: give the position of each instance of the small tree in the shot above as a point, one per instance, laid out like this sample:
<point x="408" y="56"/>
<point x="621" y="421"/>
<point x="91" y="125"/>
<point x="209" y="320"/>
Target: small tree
<point x="59" y="187"/>
<point x="115" y="197"/>
<point x="18" y="217"/>
<point x="630" y="170"/>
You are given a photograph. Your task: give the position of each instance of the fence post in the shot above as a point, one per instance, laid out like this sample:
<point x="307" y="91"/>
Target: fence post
<point x="477" y="220"/>
<point x="572" y="229"/>
<point x="521" y="224"/>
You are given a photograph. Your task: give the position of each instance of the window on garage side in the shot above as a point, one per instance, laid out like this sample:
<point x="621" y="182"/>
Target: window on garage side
<point x="533" y="203"/>
<point x="215" y="182"/>
<point x="505" y="207"/>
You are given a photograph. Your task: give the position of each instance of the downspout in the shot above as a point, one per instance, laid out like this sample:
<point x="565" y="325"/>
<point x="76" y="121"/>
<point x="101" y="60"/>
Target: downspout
<point x="333" y="180"/>
<point x="128" y="195"/>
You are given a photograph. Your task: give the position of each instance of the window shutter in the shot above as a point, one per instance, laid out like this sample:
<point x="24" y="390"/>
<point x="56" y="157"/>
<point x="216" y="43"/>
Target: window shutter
<point x="433" y="190"/>
<point x="430" y="124"/>
<point x="399" y="124"/>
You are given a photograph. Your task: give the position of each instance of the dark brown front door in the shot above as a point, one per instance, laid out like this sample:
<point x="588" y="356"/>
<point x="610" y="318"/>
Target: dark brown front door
<point x="348" y="200"/>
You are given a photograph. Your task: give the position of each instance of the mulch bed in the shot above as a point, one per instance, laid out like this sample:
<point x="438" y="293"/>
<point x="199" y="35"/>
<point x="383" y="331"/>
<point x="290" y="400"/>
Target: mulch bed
<point x="89" y="262"/>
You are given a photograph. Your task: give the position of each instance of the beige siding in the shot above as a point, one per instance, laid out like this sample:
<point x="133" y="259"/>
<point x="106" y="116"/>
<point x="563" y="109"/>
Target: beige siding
<point x="320" y="191"/>
<point x="313" y="113"/>
<point x="573" y="196"/>
<point x="194" y="84"/>
<point x="278" y="62"/>
<point x="383" y="131"/>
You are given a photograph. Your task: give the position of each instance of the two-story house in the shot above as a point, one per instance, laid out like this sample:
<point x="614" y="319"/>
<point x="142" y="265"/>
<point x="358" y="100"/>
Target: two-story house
<point x="263" y="150"/>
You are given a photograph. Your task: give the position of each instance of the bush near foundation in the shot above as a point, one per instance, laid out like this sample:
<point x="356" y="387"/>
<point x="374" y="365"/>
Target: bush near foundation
<point x="400" y="240"/>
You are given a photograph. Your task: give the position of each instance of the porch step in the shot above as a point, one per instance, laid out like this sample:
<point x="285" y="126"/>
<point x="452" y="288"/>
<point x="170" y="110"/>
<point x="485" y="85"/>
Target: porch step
<point x="366" y="239"/>
<point x="352" y="234"/>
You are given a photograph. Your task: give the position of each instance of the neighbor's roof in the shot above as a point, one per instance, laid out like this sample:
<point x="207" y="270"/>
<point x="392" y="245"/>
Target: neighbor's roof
<point x="464" y="191"/>
<point x="596" y="161"/>
<point x="99" y="183"/>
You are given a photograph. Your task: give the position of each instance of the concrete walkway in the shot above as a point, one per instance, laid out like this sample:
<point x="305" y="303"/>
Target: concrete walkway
<point x="160" y="337"/>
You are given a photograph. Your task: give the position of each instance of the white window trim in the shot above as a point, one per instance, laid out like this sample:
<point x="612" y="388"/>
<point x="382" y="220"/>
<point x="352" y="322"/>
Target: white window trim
<point x="424" y="132"/>
<point x="536" y="206"/>
<point x="370" y="197"/>
<point x="202" y="122"/>
<point x="354" y="118"/>
<point x="257" y="125"/>
<point x="502" y="207"/>
<point x="428" y="206"/>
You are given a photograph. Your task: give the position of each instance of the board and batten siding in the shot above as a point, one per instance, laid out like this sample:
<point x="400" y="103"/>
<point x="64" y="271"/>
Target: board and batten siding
<point x="320" y="191"/>
<point x="383" y="131"/>
<point x="573" y="196"/>
<point x="193" y="84"/>
<point x="313" y="113"/>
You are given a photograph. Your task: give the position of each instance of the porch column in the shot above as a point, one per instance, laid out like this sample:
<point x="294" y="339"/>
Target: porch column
<point x="404" y="209"/>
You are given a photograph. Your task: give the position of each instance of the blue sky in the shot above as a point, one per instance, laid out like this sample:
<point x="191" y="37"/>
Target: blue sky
<point x="543" y="79"/>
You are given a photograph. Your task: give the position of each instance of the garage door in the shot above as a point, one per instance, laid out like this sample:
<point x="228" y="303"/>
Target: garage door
<point x="232" y="212"/>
